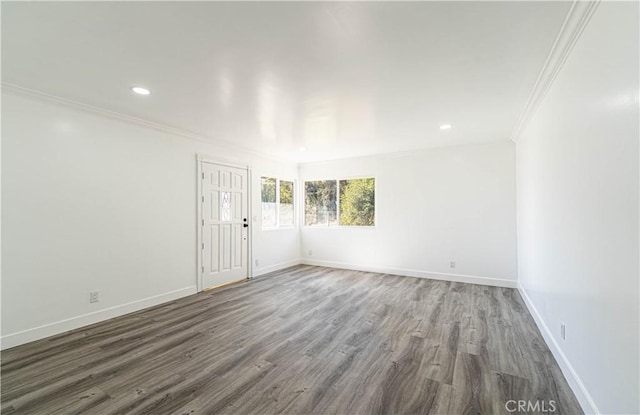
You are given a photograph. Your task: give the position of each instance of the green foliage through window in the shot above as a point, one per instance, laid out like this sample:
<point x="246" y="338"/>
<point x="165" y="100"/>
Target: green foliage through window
<point x="320" y="203"/>
<point x="269" y="190"/>
<point x="357" y="202"/>
<point x="285" y="206"/>
<point x="348" y="202"/>
<point x="286" y="192"/>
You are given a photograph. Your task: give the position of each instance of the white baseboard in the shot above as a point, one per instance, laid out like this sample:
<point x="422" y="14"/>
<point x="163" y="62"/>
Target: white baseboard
<point x="276" y="267"/>
<point x="37" y="333"/>
<point x="471" y="279"/>
<point x="576" y="384"/>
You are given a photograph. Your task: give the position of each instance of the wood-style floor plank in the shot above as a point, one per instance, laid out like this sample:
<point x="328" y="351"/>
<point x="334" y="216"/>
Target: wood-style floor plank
<point x="306" y="340"/>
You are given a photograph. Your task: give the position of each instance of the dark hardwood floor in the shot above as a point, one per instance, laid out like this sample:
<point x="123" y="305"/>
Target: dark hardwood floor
<point x="303" y="340"/>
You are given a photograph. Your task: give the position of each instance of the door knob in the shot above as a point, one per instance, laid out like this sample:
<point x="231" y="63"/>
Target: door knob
<point x="245" y="225"/>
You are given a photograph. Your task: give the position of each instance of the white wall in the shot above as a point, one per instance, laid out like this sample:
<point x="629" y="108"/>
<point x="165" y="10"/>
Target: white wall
<point x="577" y="181"/>
<point x="432" y="207"/>
<point x="94" y="203"/>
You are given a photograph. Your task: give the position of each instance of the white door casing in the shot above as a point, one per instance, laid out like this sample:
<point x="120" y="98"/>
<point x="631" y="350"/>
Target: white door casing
<point x="225" y="224"/>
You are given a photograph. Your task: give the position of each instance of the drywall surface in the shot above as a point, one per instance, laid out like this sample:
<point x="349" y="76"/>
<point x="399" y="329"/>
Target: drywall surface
<point x="432" y="207"/>
<point x="577" y="181"/>
<point x="96" y="203"/>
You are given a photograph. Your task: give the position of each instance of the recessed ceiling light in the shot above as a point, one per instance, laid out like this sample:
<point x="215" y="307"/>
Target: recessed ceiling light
<point x="140" y="90"/>
<point x="303" y="149"/>
<point x="445" y="126"/>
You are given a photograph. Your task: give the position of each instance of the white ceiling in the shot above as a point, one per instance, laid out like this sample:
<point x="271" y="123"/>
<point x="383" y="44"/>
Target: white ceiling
<point x="341" y="79"/>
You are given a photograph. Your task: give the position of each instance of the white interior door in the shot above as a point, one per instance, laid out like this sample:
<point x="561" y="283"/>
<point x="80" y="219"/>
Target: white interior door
<point x="225" y="226"/>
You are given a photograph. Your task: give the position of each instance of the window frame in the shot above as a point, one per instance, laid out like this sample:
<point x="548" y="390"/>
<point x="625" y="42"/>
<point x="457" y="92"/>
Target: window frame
<point x="337" y="180"/>
<point x="294" y="190"/>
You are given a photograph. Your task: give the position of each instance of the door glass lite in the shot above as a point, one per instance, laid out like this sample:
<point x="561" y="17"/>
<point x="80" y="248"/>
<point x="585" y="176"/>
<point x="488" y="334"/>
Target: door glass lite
<point x="226" y="206"/>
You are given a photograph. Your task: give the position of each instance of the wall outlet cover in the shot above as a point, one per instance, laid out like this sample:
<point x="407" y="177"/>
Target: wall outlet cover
<point x="94" y="296"/>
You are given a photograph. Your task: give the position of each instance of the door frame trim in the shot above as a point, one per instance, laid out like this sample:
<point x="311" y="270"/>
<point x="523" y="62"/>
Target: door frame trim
<point x="203" y="158"/>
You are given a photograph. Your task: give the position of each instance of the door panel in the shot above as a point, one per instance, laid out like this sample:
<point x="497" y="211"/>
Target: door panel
<point x="237" y="248"/>
<point x="237" y="206"/>
<point x="224" y="234"/>
<point x="214" y="195"/>
<point x="214" y="262"/>
<point x="225" y="245"/>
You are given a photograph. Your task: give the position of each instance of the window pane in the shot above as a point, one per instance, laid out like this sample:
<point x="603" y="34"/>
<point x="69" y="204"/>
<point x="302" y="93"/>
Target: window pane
<point x="268" y="202"/>
<point x="226" y="206"/>
<point x="357" y="202"/>
<point x="320" y="203"/>
<point x="286" y="203"/>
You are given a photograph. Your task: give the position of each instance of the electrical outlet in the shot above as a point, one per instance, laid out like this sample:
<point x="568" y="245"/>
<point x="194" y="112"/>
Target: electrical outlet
<point x="310" y="252"/>
<point x="257" y="261"/>
<point x="563" y="331"/>
<point x="452" y="264"/>
<point x="94" y="296"/>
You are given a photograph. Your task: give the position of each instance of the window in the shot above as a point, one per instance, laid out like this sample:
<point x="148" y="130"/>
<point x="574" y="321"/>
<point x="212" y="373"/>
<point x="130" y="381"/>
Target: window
<point x="358" y="202"/>
<point x="349" y="202"/>
<point x="320" y="203"/>
<point x="286" y="203"/>
<point x="268" y="202"/>
<point x="277" y="203"/>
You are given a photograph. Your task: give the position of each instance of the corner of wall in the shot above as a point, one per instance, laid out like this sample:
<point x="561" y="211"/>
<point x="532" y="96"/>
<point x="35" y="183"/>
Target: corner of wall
<point x="276" y="267"/>
<point x="577" y="386"/>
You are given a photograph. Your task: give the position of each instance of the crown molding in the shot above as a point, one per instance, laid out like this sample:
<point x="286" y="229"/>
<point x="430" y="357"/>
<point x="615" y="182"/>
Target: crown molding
<point x="405" y="153"/>
<point x="9" y="87"/>
<point x="577" y="18"/>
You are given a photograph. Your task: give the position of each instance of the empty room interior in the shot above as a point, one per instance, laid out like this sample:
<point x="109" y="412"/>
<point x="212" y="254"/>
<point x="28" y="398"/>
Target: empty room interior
<point x="320" y="207"/>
